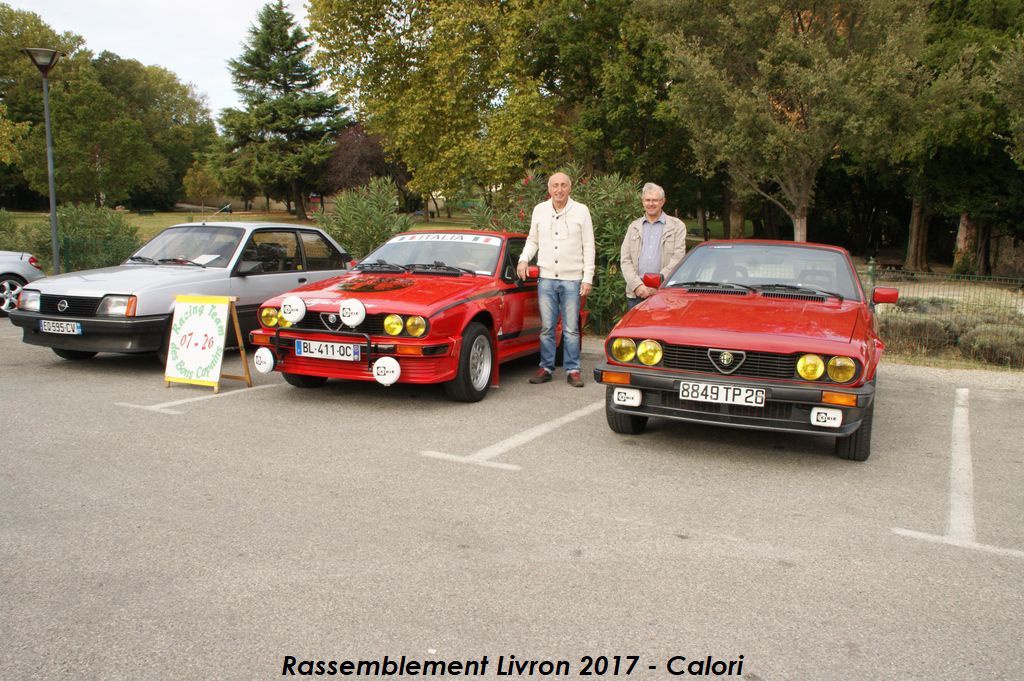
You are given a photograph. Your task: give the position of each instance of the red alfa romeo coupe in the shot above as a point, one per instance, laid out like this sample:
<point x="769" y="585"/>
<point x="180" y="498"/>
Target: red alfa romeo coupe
<point x="751" y="334"/>
<point x="425" y="307"/>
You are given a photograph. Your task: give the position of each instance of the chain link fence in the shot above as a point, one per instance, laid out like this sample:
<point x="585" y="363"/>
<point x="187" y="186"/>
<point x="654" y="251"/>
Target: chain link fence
<point x="979" y="318"/>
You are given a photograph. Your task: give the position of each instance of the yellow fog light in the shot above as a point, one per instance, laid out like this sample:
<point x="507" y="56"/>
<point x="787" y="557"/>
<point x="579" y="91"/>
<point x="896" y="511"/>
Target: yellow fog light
<point x="649" y="352"/>
<point x="810" y="367"/>
<point x="623" y="349"/>
<point x="841" y="369"/>
<point x="393" y="325"/>
<point x="268" y="316"/>
<point x="416" y="326"/>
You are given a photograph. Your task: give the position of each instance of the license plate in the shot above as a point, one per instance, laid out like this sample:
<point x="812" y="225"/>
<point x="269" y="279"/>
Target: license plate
<point x="66" y="328"/>
<point x="722" y="394"/>
<point x="343" y="351"/>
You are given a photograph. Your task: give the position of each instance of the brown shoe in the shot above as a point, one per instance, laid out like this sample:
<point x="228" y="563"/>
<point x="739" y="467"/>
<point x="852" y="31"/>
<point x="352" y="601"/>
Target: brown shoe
<point x="542" y="376"/>
<point x="574" y="379"/>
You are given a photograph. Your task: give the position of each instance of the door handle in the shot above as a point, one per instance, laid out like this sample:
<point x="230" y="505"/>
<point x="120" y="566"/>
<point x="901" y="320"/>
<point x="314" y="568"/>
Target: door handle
<point x="302" y="280"/>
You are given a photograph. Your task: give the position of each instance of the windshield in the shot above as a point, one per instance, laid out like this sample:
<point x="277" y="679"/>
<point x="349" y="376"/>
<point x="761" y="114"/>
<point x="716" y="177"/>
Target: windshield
<point x="761" y="266"/>
<point x="473" y="252"/>
<point x="204" y="245"/>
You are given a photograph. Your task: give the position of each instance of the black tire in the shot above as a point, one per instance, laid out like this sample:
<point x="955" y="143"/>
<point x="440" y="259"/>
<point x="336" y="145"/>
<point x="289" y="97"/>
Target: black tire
<point x="73" y="355"/>
<point x="476" y="362"/>
<point x="857" y="445"/>
<point x="10" y="288"/>
<point x="624" y="424"/>
<point x="303" y="381"/>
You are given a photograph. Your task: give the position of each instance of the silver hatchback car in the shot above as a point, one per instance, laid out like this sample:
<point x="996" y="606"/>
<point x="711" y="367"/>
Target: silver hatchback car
<point x="128" y="308"/>
<point x="16" y="270"/>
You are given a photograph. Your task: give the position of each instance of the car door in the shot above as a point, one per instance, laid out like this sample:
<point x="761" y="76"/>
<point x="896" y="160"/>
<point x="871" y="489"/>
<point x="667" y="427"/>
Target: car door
<point x="520" y="323"/>
<point x="271" y="263"/>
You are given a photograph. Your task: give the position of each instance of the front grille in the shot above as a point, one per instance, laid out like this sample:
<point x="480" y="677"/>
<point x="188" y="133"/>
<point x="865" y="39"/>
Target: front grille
<point x="78" y="306"/>
<point x="756" y="365"/>
<point x="373" y="324"/>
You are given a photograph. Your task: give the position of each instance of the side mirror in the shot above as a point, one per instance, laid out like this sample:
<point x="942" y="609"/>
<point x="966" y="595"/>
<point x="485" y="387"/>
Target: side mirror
<point x="884" y="294"/>
<point x="652" y="280"/>
<point x="247" y="267"/>
<point x="352" y="263"/>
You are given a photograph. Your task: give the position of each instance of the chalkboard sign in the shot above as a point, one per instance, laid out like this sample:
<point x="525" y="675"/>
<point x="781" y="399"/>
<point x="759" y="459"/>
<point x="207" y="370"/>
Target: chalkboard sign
<point x="199" y="331"/>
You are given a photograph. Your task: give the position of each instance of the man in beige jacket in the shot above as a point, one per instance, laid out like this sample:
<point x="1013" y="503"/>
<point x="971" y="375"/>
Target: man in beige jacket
<point x="654" y="244"/>
<point x="562" y="238"/>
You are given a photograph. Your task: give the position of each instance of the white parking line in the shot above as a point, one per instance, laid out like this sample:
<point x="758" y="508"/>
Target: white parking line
<point x="483" y="457"/>
<point x="960" y="530"/>
<point x="162" y="408"/>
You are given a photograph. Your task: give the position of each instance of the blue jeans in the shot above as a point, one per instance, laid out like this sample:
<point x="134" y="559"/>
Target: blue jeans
<point x="559" y="297"/>
<point x="633" y="302"/>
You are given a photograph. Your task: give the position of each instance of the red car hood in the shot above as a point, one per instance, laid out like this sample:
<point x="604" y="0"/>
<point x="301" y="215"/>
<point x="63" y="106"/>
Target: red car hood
<point x="750" y="321"/>
<point x="400" y="293"/>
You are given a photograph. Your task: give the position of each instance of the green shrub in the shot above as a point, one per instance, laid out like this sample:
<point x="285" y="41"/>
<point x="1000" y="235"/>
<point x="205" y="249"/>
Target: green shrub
<point x="18" y="237"/>
<point x="931" y="305"/>
<point x="995" y="343"/>
<point x="365" y="217"/>
<point x="90" y="237"/>
<point x="909" y="332"/>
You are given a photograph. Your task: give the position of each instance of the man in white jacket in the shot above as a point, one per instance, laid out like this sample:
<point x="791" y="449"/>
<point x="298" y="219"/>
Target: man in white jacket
<point x="562" y="238"/>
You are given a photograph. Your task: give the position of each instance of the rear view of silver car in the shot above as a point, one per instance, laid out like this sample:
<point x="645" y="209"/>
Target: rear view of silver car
<point x="127" y="308"/>
<point x="16" y="270"/>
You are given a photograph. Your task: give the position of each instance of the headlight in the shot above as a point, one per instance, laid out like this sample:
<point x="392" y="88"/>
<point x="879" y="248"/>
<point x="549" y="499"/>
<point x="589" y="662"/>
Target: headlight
<point x="649" y="352"/>
<point x="810" y="367"/>
<point x="841" y="369"/>
<point x="623" y="349"/>
<point x="393" y="325"/>
<point x="116" y="306"/>
<point x="29" y="301"/>
<point x="268" y="316"/>
<point x="416" y="326"/>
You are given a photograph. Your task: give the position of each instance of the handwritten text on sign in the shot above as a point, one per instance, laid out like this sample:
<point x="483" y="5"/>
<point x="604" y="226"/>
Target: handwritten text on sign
<point x="196" y="346"/>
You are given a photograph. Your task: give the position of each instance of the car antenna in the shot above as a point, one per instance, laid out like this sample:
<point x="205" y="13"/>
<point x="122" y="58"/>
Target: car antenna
<point x="222" y="208"/>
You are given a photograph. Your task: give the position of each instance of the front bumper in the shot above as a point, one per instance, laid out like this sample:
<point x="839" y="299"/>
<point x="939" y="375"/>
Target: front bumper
<point x="415" y="368"/>
<point x="130" y="335"/>
<point x="787" y="407"/>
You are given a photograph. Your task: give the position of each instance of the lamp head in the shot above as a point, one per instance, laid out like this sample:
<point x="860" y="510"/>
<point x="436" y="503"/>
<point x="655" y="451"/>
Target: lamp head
<point x="43" y="57"/>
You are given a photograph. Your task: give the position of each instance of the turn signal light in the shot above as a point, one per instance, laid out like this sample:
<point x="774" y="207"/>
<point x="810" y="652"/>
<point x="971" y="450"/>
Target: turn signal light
<point x="842" y="399"/>
<point x="615" y="377"/>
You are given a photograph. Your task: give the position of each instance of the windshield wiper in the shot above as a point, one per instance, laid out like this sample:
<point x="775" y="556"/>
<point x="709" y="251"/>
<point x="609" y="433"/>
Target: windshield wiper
<point x="439" y="266"/>
<point x="382" y="265"/>
<point x="711" y="284"/>
<point x="801" y="289"/>
<point x="180" y="261"/>
<point x="141" y="258"/>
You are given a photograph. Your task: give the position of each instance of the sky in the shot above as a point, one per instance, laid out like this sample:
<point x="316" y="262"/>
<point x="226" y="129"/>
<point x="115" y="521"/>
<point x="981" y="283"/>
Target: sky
<point x="192" y="38"/>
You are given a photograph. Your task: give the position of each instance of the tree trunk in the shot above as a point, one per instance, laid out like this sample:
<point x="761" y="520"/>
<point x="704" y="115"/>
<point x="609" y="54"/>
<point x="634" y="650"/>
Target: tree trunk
<point x="300" y="208"/>
<point x="984" y="250"/>
<point x="917" y="241"/>
<point x="737" y="221"/>
<point x="726" y="211"/>
<point x="966" y="252"/>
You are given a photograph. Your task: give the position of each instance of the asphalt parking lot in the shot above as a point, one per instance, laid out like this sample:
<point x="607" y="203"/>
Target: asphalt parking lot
<point x="166" y="533"/>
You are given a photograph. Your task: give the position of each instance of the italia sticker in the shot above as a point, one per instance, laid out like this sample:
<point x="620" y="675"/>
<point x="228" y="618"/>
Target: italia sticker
<point x="352" y="312"/>
<point x="461" y="238"/>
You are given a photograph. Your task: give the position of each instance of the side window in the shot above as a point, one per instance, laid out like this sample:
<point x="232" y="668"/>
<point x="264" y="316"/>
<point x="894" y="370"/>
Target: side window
<point x="275" y="251"/>
<point x="320" y="254"/>
<point x="515" y="249"/>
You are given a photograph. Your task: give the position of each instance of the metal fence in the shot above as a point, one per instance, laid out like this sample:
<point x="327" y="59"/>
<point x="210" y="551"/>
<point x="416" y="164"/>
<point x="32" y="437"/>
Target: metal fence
<point x="952" y="315"/>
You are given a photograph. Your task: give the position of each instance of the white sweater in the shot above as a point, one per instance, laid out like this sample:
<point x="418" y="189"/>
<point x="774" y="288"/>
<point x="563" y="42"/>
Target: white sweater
<point x="562" y="241"/>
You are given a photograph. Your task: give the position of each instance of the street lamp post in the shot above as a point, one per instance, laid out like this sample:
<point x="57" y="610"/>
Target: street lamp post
<point x="44" y="59"/>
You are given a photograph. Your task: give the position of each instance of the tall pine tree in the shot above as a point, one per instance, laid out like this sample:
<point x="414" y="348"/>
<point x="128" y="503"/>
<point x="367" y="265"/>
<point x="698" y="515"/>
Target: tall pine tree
<point x="287" y="126"/>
